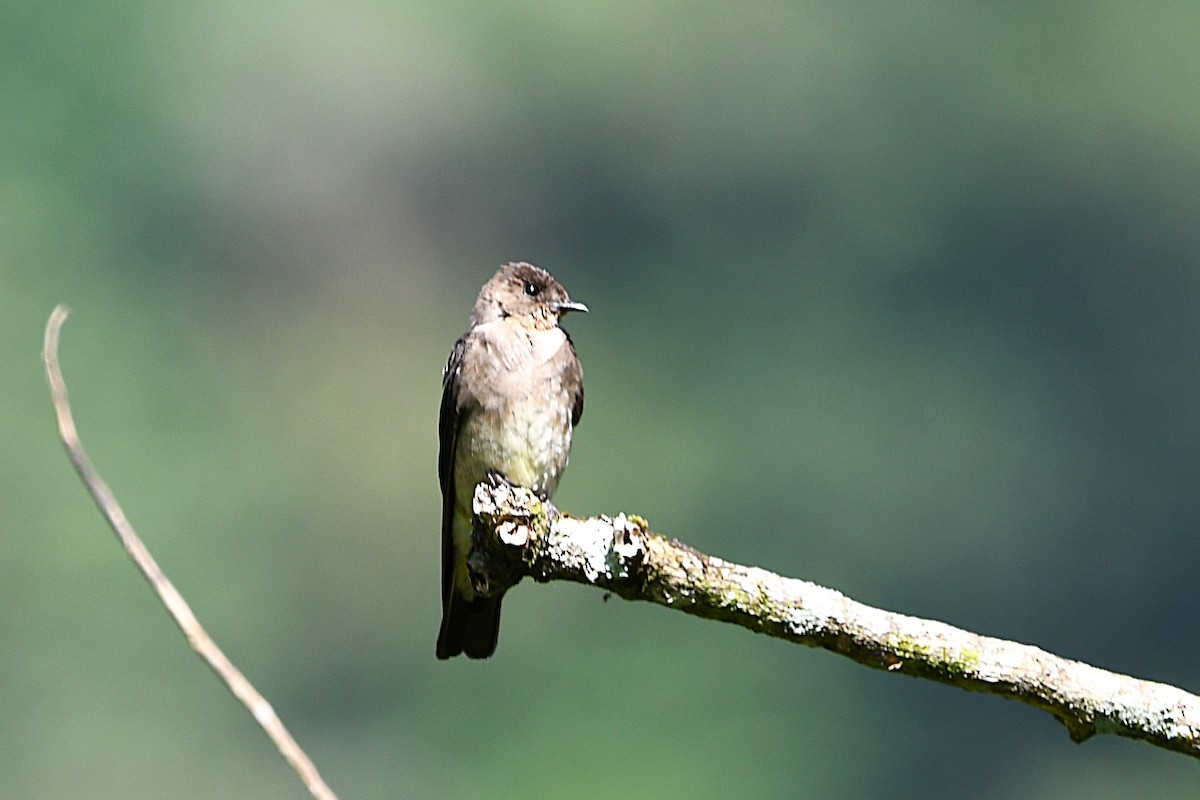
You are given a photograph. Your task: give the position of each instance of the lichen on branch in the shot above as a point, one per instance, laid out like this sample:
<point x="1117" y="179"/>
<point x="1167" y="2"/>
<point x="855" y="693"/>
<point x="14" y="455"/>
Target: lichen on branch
<point x="518" y="535"/>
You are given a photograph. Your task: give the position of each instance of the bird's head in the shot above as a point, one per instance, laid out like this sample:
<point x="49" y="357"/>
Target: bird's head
<point x="526" y="293"/>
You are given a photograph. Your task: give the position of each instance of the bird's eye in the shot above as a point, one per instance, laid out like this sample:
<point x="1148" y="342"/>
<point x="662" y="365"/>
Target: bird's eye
<point x="532" y="289"/>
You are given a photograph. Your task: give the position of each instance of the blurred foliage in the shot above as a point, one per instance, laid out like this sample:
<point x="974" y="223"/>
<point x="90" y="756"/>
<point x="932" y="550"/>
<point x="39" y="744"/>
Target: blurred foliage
<point x="897" y="298"/>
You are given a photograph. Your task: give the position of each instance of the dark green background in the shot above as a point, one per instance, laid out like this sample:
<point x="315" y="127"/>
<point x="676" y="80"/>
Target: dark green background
<point x="900" y="298"/>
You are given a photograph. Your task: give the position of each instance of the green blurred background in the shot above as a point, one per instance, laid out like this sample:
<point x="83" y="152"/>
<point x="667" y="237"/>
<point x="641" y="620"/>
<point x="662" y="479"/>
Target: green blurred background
<point x="900" y="299"/>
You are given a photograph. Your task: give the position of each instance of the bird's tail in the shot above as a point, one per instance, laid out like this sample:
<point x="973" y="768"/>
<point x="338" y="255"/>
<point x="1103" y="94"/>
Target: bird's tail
<point x="469" y="627"/>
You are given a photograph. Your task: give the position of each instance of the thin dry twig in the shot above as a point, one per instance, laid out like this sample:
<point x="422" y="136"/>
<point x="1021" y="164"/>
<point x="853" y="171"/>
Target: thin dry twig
<point x="176" y="606"/>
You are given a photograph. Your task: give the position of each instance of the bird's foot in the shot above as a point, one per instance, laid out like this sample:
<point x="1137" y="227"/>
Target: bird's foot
<point x="495" y="478"/>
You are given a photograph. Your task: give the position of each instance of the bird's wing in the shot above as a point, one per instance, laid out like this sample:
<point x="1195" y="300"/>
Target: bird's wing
<point x="449" y="423"/>
<point x="573" y="381"/>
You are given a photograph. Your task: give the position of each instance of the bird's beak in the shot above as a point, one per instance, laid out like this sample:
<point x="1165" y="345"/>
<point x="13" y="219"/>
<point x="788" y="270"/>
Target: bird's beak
<point x="570" y="306"/>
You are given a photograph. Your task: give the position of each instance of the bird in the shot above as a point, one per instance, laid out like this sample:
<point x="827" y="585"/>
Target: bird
<point x="512" y="394"/>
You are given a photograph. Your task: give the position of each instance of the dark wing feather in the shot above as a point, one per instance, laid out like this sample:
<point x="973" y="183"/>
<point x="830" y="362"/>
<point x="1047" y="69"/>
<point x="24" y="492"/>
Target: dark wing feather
<point x="470" y="628"/>
<point x="573" y="382"/>
<point x="448" y="427"/>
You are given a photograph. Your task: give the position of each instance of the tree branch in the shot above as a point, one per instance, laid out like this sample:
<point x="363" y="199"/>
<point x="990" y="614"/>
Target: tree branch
<point x="517" y="534"/>
<point x="170" y="597"/>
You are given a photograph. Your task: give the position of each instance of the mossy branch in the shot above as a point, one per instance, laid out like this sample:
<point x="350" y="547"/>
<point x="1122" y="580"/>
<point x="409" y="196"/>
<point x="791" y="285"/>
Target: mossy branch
<point x="518" y="535"/>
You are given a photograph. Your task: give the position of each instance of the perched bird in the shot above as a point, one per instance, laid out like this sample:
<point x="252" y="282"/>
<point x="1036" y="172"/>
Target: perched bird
<point x="512" y="392"/>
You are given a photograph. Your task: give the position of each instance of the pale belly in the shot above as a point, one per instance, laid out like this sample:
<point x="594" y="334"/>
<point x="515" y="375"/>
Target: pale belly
<point x="529" y="447"/>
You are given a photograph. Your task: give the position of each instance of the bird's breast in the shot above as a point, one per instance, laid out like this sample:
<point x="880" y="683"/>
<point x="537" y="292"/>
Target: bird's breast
<point x="521" y="426"/>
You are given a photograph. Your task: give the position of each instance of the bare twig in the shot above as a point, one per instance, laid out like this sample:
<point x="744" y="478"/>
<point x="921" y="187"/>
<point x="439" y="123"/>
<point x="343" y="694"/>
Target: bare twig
<point x="176" y="606"/>
<point x="517" y="535"/>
